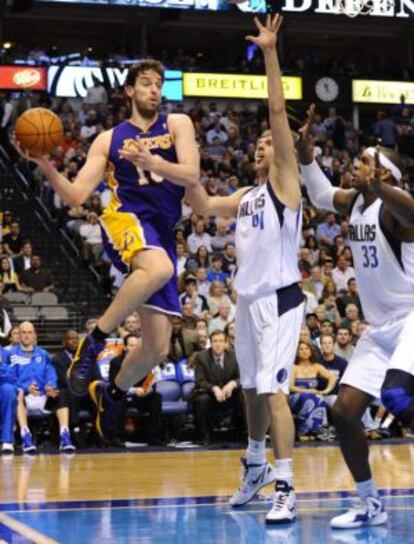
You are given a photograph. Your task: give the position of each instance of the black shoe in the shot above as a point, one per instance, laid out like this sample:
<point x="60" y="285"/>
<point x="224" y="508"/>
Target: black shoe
<point x="79" y="373"/>
<point x="110" y="413"/>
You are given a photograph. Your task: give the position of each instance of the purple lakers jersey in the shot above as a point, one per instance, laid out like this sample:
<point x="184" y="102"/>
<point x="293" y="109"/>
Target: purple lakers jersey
<point x="141" y="192"/>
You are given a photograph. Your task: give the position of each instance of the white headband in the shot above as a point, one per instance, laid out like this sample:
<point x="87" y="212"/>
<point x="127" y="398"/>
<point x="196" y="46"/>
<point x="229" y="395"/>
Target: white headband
<point x="385" y="162"/>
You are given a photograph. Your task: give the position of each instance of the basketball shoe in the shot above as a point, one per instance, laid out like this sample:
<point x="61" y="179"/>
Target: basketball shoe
<point x="369" y="511"/>
<point x="254" y="478"/>
<point x="284" y="505"/>
<point x="80" y="371"/>
<point x="109" y="411"/>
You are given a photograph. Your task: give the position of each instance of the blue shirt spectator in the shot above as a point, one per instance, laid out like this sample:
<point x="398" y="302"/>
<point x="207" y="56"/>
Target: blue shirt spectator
<point x="28" y="367"/>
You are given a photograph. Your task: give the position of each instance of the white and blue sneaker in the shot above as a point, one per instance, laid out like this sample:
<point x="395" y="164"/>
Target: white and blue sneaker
<point x="66" y="445"/>
<point x="254" y="478"/>
<point x="27" y="443"/>
<point x="367" y="512"/>
<point x="284" y="505"/>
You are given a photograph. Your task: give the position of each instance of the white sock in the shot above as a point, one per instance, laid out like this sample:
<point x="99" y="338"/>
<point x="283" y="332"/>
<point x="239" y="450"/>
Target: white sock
<point x="64" y="429"/>
<point x="24" y="431"/>
<point x="256" y="452"/>
<point x="366" y="489"/>
<point x="387" y="422"/>
<point x="284" y="470"/>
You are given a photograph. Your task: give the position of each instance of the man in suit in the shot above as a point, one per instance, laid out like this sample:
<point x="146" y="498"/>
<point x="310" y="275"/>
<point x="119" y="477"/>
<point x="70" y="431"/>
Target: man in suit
<point x="23" y="261"/>
<point x="217" y="387"/>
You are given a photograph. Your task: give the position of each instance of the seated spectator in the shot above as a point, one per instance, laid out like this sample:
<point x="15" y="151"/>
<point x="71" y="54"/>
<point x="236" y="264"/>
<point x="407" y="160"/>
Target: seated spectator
<point x="312" y="322"/>
<point x="342" y="273"/>
<point x="307" y="402"/>
<point x="13" y="338"/>
<point x="6" y="222"/>
<point x="329" y="289"/>
<point x="131" y="325"/>
<point x="23" y="261"/>
<point x="230" y="331"/>
<point x="94" y="204"/>
<point x="314" y="284"/>
<point x="199" y="238"/>
<point x="222" y="236"/>
<point x="202" y="282"/>
<point x="216" y="271"/>
<point x="189" y="317"/>
<point x="37" y="279"/>
<point x="305" y="263"/>
<point x="182" y="257"/>
<point x="217" y="296"/>
<point x="8" y="406"/>
<point x="143" y="395"/>
<point x="61" y="362"/>
<point x="184" y="342"/>
<point x="223" y="318"/>
<point x="229" y="258"/>
<point x="326" y="231"/>
<point x="343" y="343"/>
<point x="332" y="362"/>
<point x="191" y="294"/>
<point x="36" y="378"/>
<point x="351" y="315"/>
<point x="217" y="386"/>
<point x="351" y="297"/>
<point x="312" y="245"/>
<point x="92" y="244"/>
<point x="8" y="278"/>
<point x="13" y="241"/>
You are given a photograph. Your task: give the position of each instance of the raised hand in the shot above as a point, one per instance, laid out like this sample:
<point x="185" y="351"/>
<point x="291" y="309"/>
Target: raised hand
<point x="303" y="146"/>
<point x="267" y="37"/>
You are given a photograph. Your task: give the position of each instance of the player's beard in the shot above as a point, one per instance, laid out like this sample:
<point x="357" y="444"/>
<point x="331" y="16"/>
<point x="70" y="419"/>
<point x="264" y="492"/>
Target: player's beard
<point x="147" y="112"/>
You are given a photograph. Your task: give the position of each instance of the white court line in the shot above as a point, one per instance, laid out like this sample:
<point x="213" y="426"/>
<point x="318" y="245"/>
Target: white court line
<point x="25" y="530"/>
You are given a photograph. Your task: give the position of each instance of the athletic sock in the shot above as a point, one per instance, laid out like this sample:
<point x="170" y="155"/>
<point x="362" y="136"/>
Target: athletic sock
<point x="24" y="431"/>
<point x="367" y="489"/>
<point x="64" y="429"/>
<point x="99" y="335"/>
<point x="115" y="393"/>
<point x="256" y="452"/>
<point x="284" y="470"/>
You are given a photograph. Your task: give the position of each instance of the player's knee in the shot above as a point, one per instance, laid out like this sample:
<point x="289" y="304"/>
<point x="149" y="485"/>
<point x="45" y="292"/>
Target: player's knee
<point x="341" y="415"/>
<point x="397" y="392"/>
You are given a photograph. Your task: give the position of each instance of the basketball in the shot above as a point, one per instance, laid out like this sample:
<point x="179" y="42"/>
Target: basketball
<point x="39" y="131"/>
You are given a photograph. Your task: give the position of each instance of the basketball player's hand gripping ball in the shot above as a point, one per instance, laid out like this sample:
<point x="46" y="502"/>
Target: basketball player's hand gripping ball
<point x="267" y="37"/>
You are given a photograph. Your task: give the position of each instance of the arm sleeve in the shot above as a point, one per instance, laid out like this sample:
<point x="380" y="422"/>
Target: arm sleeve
<point x="321" y="192"/>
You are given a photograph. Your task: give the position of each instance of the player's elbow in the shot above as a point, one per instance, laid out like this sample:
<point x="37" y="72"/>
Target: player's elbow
<point x="75" y="200"/>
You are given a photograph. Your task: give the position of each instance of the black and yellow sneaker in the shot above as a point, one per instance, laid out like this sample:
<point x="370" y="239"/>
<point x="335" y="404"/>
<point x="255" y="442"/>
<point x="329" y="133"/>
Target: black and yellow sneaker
<point x="110" y="412"/>
<point x="79" y="373"/>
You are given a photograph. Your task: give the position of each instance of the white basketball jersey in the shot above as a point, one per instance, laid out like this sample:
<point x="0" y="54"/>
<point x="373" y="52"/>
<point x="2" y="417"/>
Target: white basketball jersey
<point x="384" y="266"/>
<point x="267" y="240"/>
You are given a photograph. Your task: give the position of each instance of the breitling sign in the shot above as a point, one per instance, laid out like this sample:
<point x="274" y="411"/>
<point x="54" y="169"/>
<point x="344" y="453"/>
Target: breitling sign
<point x="382" y="92"/>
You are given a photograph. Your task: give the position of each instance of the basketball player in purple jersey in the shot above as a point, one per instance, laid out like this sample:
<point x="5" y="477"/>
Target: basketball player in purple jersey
<point x="151" y="158"/>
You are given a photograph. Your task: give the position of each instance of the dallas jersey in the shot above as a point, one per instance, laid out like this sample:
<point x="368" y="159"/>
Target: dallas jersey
<point x="268" y="236"/>
<point x="384" y="266"/>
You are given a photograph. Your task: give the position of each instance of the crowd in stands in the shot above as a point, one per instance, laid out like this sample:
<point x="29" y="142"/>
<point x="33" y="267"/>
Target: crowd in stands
<point x="202" y="344"/>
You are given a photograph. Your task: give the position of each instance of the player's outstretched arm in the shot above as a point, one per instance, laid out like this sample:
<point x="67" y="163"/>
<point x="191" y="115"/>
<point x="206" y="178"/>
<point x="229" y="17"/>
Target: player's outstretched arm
<point x="89" y="176"/>
<point x="398" y="204"/>
<point x="222" y="206"/>
<point x="287" y="175"/>
<point x="320" y="190"/>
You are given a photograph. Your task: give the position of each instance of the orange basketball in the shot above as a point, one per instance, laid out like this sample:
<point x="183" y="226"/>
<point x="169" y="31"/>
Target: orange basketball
<point x="39" y="131"/>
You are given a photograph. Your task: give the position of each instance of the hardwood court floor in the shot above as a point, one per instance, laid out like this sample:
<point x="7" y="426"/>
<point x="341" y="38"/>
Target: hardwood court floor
<point x="127" y="484"/>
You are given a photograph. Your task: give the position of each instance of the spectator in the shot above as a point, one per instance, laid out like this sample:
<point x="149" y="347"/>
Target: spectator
<point x="202" y="257"/>
<point x="307" y="402"/>
<point x="216" y="272"/>
<point x="326" y="231"/>
<point x="189" y="317"/>
<point x="143" y="395"/>
<point x="92" y="247"/>
<point x="199" y="238"/>
<point x="37" y="279"/>
<point x="8" y="406"/>
<point x="13" y="338"/>
<point x="131" y="325"/>
<point x="229" y="331"/>
<point x="216" y="297"/>
<point x="191" y="294"/>
<point x="36" y="378"/>
<point x="332" y="362"/>
<point x="23" y="261"/>
<point x="184" y="342"/>
<point x="351" y="297"/>
<point x="223" y="318"/>
<point x="222" y="236"/>
<point x="343" y="344"/>
<point x="312" y="245"/>
<point x="385" y="130"/>
<point x="314" y="284"/>
<point x="5" y="322"/>
<point x="229" y="258"/>
<point x="342" y="273"/>
<point x="217" y="131"/>
<point x="351" y="315"/>
<point x="182" y="257"/>
<point x="217" y="387"/>
<point x="8" y="278"/>
<point x="12" y="242"/>
<point x="202" y="282"/>
<point x="96" y="95"/>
